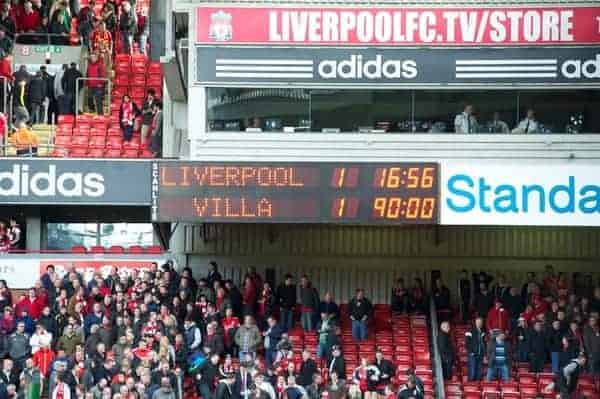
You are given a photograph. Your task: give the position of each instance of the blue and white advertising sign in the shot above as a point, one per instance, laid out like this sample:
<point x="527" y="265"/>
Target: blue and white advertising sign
<point x="507" y="193"/>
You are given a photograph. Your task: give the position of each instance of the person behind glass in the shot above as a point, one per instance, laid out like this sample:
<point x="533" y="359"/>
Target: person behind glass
<point x="475" y="345"/>
<point x="400" y="301"/>
<point x="127" y="114"/>
<point x="446" y="349"/>
<point x="529" y="124"/>
<point x="497" y="125"/>
<point x="360" y="310"/>
<point x="465" y="122"/>
<point x="499" y="358"/>
<point x="286" y="297"/>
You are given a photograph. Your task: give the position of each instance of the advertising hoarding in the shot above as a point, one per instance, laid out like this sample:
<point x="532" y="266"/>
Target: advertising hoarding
<point x="84" y="182"/>
<point x="395" y="26"/>
<point x="522" y="193"/>
<point x="397" y="67"/>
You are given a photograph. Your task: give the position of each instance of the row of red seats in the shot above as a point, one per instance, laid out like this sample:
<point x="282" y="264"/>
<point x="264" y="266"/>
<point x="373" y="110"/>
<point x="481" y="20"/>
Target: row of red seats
<point x="117" y="249"/>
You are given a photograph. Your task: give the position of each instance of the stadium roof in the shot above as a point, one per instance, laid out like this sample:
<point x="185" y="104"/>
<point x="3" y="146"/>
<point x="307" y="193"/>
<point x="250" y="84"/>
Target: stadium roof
<point x="394" y="2"/>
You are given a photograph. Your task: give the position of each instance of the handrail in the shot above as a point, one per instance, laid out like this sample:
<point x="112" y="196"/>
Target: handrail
<point x="439" y="387"/>
<point x="48" y="147"/>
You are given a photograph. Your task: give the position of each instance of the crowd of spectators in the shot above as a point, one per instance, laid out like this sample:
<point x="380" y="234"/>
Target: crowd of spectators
<point x="552" y="320"/>
<point x="153" y="334"/>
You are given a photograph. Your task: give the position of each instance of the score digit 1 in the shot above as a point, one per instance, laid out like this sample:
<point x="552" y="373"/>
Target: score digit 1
<point x="344" y="207"/>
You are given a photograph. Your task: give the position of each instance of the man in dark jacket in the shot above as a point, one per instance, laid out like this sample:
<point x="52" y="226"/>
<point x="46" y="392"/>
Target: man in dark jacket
<point x="360" y="310"/>
<point x="307" y="369"/>
<point x="385" y="367"/>
<point x="591" y="343"/>
<point x="309" y="302"/>
<point x="464" y="293"/>
<point x="537" y="348"/>
<point x="148" y="116"/>
<point x="410" y="390"/>
<point x="475" y="345"/>
<point x="37" y="92"/>
<point x="336" y="363"/>
<point x="69" y="85"/>
<point x="206" y="377"/>
<point x="484" y="300"/>
<point x="499" y="358"/>
<point x="514" y="304"/>
<point x="446" y="349"/>
<point x="521" y="334"/>
<point x="127" y="27"/>
<point x="272" y="338"/>
<point x="554" y="344"/>
<point x="286" y="296"/>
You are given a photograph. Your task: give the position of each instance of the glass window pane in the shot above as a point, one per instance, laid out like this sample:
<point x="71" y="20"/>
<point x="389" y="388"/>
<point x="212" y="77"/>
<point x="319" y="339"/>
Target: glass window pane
<point x="353" y="110"/>
<point x="565" y="111"/>
<point x="63" y="236"/>
<point x="435" y="111"/>
<point x="268" y="109"/>
<point x="126" y="234"/>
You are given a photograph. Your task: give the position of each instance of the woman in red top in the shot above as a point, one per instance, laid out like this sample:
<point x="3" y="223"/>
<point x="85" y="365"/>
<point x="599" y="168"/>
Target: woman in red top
<point x="230" y="324"/>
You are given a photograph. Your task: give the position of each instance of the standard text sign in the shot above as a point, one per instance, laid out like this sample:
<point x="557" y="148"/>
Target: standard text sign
<point x="528" y="194"/>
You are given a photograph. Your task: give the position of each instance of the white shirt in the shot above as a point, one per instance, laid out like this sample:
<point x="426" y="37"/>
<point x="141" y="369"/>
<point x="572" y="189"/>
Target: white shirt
<point x="529" y="126"/>
<point x="464" y="123"/>
<point x="36" y="341"/>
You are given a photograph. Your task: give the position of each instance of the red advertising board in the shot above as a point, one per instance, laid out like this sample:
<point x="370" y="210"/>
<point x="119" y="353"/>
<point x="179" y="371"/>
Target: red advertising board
<point x="328" y="26"/>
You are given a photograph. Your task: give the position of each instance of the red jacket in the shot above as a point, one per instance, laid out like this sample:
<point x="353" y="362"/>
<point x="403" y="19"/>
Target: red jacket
<point x="43" y="360"/>
<point x="29" y="22"/>
<point x="497" y="319"/>
<point x="34" y="307"/>
<point x="96" y="70"/>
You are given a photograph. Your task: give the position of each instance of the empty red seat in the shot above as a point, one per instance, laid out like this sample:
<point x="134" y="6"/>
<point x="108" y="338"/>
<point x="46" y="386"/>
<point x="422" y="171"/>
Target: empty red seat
<point x="130" y="153"/>
<point x="135" y="249"/>
<point x="62" y="141"/>
<point x="154" y="249"/>
<point x="65" y="119"/>
<point x="116" y="249"/>
<point x="96" y="153"/>
<point x="138" y="80"/>
<point x="112" y="153"/>
<point x="154" y="68"/>
<point x="97" y="249"/>
<point x="83" y="119"/>
<point x="97" y="142"/>
<point x="78" y="249"/>
<point x="79" y="141"/>
<point x="78" y="152"/>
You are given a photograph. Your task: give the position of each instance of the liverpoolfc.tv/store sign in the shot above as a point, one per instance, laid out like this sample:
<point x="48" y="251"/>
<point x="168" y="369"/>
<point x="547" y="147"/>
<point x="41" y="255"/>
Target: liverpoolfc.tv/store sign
<point x="406" y="26"/>
<point x="306" y="66"/>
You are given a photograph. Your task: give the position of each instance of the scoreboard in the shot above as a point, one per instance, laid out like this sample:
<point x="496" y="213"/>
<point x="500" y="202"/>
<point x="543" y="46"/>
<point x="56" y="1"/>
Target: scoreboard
<point x="352" y="193"/>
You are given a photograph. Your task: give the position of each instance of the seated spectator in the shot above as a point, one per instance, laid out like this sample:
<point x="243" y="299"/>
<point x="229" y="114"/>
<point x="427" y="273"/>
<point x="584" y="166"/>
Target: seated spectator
<point x="60" y="28"/>
<point x="25" y="141"/>
<point x="127" y="114"/>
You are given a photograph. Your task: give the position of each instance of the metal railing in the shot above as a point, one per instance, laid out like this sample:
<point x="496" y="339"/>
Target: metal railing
<point x="80" y="84"/>
<point x="437" y="359"/>
<point x="49" y="148"/>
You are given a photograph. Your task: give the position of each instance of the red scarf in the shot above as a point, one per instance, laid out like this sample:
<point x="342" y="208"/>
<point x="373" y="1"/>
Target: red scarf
<point x="60" y="391"/>
<point x="128" y="113"/>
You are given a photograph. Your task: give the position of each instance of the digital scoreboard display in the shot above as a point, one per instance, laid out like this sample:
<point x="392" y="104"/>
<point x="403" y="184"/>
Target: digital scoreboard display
<point x="353" y="193"/>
